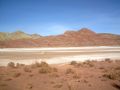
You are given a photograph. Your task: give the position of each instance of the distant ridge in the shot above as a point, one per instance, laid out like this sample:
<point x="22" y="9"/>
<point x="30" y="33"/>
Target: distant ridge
<point x="82" y="37"/>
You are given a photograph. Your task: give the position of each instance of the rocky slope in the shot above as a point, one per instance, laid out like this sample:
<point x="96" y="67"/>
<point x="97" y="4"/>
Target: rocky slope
<point x="83" y="37"/>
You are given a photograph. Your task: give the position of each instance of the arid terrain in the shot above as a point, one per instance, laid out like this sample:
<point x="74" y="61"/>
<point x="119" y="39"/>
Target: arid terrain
<point x="88" y="75"/>
<point x="75" y="60"/>
<point x="73" y="68"/>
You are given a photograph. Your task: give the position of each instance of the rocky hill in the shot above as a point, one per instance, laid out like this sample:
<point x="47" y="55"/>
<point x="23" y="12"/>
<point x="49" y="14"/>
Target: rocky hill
<point x="83" y="37"/>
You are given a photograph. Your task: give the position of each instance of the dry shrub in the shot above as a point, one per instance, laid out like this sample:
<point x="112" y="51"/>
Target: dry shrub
<point x="44" y="64"/>
<point x="73" y="63"/>
<point x="108" y="60"/>
<point x="45" y="70"/>
<point x="11" y="64"/>
<point x="70" y="71"/>
<point x="80" y="64"/>
<point x="37" y="64"/>
<point x="114" y="75"/>
<point x="76" y="76"/>
<point x="117" y="86"/>
<point x="18" y="65"/>
<point x="89" y="63"/>
<point x="27" y="69"/>
<point x="16" y="74"/>
<point x="54" y="75"/>
<point x="55" y="69"/>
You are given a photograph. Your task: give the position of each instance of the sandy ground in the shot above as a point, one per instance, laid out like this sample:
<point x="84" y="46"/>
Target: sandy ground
<point x="92" y="71"/>
<point x="57" y="55"/>
<point x="89" y="75"/>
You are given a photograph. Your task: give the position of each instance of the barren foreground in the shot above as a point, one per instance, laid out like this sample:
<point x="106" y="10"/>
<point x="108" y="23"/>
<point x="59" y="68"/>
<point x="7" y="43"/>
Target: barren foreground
<point x="75" y="68"/>
<point x="89" y="75"/>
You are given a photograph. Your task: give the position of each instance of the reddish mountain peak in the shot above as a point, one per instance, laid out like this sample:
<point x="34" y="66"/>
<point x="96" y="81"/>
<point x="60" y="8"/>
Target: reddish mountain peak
<point x="86" y="31"/>
<point x="69" y="32"/>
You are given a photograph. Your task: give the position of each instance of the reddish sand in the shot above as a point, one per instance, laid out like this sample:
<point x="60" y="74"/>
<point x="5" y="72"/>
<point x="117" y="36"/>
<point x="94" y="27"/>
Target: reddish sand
<point x="90" y="75"/>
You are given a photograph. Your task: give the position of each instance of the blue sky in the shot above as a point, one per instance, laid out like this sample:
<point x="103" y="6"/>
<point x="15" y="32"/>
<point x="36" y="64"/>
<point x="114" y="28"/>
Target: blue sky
<point x="51" y="17"/>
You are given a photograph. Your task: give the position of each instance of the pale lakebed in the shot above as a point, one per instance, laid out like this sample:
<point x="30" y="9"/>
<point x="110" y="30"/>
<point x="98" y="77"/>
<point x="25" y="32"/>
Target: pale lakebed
<point x="58" y="55"/>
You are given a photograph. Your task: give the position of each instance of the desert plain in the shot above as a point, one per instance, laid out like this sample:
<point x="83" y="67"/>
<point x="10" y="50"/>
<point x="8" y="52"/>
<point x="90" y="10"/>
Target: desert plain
<point x="68" y="68"/>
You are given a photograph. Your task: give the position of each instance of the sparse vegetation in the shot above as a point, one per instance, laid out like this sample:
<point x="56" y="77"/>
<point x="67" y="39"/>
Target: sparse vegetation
<point x="117" y="86"/>
<point x="27" y="69"/>
<point x="37" y="64"/>
<point x="55" y="69"/>
<point x="70" y="71"/>
<point x="65" y="76"/>
<point x="108" y="60"/>
<point x="73" y="63"/>
<point x="11" y="64"/>
<point x="113" y="74"/>
<point x="76" y="76"/>
<point x="16" y="74"/>
<point x="89" y="63"/>
<point x="45" y="70"/>
<point x="44" y="64"/>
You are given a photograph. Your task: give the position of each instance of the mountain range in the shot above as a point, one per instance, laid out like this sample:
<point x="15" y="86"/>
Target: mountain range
<point x="82" y="37"/>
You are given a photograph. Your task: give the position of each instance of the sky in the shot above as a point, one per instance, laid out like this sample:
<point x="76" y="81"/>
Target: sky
<point x="52" y="17"/>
